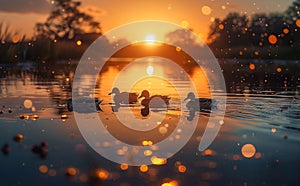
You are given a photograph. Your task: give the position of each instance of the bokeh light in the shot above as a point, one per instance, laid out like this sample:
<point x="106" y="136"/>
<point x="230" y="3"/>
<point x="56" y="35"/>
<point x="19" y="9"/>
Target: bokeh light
<point x="43" y="169"/>
<point x="163" y="130"/>
<point x="286" y="30"/>
<point x="27" y="103"/>
<point x="206" y="10"/>
<point x="221" y="26"/>
<point x="78" y="43"/>
<point x="15" y="39"/>
<point x="71" y="171"/>
<point x="102" y="174"/>
<point x="272" y="39"/>
<point x="158" y="161"/>
<point x="143" y="168"/>
<point x="35" y="117"/>
<point x="248" y="150"/>
<point x="252" y="66"/>
<point x="123" y="166"/>
<point x="279" y="69"/>
<point x="298" y="23"/>
<point x="181" y="168"/>
<point x="185" y="24"/>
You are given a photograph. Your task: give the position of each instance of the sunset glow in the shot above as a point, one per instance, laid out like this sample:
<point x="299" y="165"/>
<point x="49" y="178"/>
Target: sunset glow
<point x="168" y="93"/>
<point x="110" y="16"/>
<point x="150" y="70"/>
<point x="150" y="39"/>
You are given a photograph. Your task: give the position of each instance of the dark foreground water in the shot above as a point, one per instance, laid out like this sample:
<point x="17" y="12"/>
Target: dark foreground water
<point x="264" y="117"/>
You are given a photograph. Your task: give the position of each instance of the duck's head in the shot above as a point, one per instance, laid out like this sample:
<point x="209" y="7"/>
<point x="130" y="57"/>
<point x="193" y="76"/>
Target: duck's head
<point x="190" y="96"/>
<point x="144" y="94"/>
<point x="115" y="90"/>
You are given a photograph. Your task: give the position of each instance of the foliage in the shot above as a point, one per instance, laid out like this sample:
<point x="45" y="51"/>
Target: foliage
<point x="66" y="21"/>
<point x="238" y="35"/>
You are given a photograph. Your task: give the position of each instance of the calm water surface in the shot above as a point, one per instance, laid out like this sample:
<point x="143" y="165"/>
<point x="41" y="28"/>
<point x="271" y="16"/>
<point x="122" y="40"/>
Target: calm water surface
<point x="268" y="122"/>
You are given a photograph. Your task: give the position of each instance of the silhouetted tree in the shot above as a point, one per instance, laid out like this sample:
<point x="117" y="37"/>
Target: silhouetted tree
<point x="13" y="47"/>
<point x="236" y="33"/>
<point x="258" y="28"/>
<point x="229" y="32"/>
<point x="292" y="14"/>
<point x="66" y="21"/>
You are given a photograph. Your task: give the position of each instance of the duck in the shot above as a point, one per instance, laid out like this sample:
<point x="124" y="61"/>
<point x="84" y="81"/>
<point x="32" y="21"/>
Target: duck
<point x="124" y="97"/>
<point x="201" y="104"/>
<point x="156" y="101"/>
<point x="97" y="104"/>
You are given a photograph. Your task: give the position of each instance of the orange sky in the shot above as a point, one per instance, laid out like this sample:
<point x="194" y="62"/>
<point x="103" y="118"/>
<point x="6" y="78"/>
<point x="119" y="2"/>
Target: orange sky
<point x="113" y="13"/>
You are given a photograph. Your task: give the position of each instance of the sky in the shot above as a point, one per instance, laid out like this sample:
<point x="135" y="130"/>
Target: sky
<point x="22" y="15"/>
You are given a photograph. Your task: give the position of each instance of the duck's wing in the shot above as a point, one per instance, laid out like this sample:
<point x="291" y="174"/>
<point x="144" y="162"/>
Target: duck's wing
<point x="167" y="99"/>
<point x="127" y="98"/>
<point x="207" y="103"/>
<point x="205" y="100"/>
<point x="133" y="96"/>
<point x="163" y="97"/>
<point x="158" y="104"/>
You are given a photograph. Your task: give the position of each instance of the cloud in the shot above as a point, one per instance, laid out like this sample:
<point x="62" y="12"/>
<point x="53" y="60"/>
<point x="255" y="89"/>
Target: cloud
<point x="93" y="11"/>
<point x="233" y="6"/>
<point x="25" y="6"/>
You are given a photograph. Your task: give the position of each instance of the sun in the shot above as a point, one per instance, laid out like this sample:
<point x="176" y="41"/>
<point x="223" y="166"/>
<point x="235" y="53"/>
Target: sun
<point x="150" y="39"/>
<point x="150" y="70"/>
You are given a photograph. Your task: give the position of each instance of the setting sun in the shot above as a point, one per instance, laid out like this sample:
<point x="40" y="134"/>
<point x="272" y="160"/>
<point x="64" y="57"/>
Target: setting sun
<point x="150" y="70"/>
<point x="164" y="93"/>
<point x="150" y="39"/>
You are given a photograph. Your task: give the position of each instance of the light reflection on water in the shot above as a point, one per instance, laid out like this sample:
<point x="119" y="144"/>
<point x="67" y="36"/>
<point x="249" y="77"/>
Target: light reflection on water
<point x="270" y="123"/>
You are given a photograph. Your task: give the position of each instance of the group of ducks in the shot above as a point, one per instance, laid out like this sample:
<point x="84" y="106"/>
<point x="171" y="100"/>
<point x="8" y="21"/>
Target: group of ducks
<point x="154" y="101"/>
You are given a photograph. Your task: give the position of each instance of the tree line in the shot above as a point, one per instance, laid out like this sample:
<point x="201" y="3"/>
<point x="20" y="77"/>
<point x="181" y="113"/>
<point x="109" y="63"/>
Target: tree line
<point x="276" y="35"/>
<point x="68" y="31"/>
<point x="65" y="34"/>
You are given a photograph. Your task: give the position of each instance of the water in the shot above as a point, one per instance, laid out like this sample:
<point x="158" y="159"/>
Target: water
<point x="270" y="122"/>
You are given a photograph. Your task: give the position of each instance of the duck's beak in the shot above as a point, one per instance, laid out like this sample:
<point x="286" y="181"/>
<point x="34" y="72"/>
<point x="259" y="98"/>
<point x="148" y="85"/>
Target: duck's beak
<point x="185" y="99"/>
<point x="140" y="96"/>
<point x="110" y="93"/>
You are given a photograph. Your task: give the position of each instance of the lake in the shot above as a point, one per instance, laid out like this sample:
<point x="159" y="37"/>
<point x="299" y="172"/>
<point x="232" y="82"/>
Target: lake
<point x="257" y="143"/>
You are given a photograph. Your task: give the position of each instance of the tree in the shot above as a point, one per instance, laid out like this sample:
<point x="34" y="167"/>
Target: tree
<point x="229" y="32"/>
<point x="66" y="21"/>
<point x="292" y="16"/>
<point x="264" y="35"/>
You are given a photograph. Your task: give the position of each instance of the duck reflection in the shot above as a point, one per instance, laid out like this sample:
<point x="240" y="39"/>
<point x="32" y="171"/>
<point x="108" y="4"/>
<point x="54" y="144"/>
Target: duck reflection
<point x="145" y="111"/>
<point x="97" y="104"/>
<point x="115" y="107"/>
<point x="192" y="114"/>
